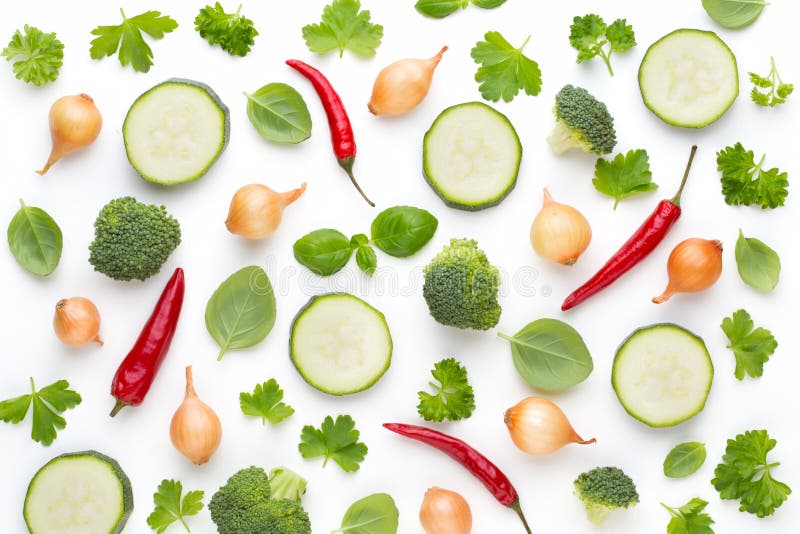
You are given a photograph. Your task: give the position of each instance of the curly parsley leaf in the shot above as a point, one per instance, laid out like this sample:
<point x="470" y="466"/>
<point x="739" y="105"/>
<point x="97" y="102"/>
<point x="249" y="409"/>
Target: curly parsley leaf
<point x="752" y="348"/>
<point x="47" y="403"/>
<point x="337" y="441"/>
<point x="624" y="176"/>
<point x="233" y="32"/>
<point x="170" y="507"/>
<point x="127" y="37"/>
<point x="769" y="90"/>
<point x="344" y="26"/>
<point x="453" y="397"/>
<point x="35" y="56"/>
<point x="265" y="402"/>
<point x="591" y="37"/>
<point x="745" y="474"/>
<point x="745" y="182"/>
<point x="504" y="69"/>
<point x="689" y="518"/>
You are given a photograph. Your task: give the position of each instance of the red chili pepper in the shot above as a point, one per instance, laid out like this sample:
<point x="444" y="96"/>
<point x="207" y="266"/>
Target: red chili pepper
<point x="638" y="247"/>
<point x="477" y="464"/>
<point x="137" y="371"/>
<point x="342" y="138"/>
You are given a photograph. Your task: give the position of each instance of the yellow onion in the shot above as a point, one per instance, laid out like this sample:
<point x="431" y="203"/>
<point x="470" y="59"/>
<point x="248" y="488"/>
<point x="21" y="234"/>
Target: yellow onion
<point x="77" y="322"/>
<point x="75" y="123"/>
<point x="401" y="86"/>
<point x="445" y="512"/>
<point x="693" y="265"/>
<point x="538" y="426"/>
<point x="195" y="429"/>
<point x="559" y="233"/>
<point x="256" y="210"/>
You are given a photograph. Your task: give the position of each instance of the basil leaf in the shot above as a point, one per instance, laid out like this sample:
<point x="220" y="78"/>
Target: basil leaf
<point x="367" y="260"/>
<point x="279" y="113"/>
<point x="241" y="312"/>
<point x="734" y="13"/>
<point x="439" y="9"/>
<point x="488" y="4"/>
<point x="402" y="231"/>
<point x="376" y="514"/>
<point x="759" y="266"/>
<point x="684" y="459"/>
<point x="550" y="355"/>
<point x="35" y="240"/>
<point x="358" y="240"/>
<point x="324" y="252"/>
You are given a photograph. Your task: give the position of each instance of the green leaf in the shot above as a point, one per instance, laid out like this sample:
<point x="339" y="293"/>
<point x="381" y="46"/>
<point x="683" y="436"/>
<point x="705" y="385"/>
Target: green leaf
<point x="46" y="403"/>
<point x="689" y="519"/>
<point x="233" y="32"/>
<point x="620" y="36"/>
<point x="550" y="355"/>
<point x="127" y="38"/>
<point x="265" y="402"/>
<point x="752" y="348"/>
<point x="440" y="9"/>
<point x="367" y="260"/>
<point x="170" y="508"/>
<point x="591" y="37"/>
<point x="324" y="252"/>
<point x="286" y="484"/>
<point x="375" y="514"/>
<point x="778" y="90"/>
<point x="279" y="113"/>
<point x="684" y="459"/>
<point x="759" y="266"/>
<point x="504" y="69"/>
<point x="624" y="176"/>
<point x="35" y="56"/>
<point x="745" y="183"/>
<point x="488" y="4"/>
<point x="402" y="231"/>
<point x="734" y="14"/>
<point x="241" y="312"/>
<point x="337" y="441"/>
<point x="453" y="398"/>
<point x="35" y="240"/>
<point x="344" y="26"/>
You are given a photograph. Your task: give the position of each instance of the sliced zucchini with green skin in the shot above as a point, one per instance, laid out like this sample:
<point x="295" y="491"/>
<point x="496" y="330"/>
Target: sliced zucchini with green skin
<point x="340" y="344"/>
<point x="689" y="78"/>
<point x="662" y="375"/>
<point x="471" y="156"/>
<point x="79" y="493"/>
<point x="175" y="131"/>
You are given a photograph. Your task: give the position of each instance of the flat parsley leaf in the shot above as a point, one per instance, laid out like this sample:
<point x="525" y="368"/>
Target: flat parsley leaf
<point x="589" y="35"/>
<point x="233" y="32"/>
<point x="48" y="402"/>
<point x="35" y="56"/>
<point x="752" y="348"/>
<point x="337" y="441"/>
<point x="265" y="402"/>
<point x="689" y="518"/>
<point x="127" y="37"/>
<point x="504" y="70"/>
<point x="769" y="90"/>
<point x="744" y="474"/>
<point x="344" y="26"/>
<point x="453" y="397"/>
<point x="624" y="176"/>
<point x="745" y="183"/>
<point x="170" y="507"/>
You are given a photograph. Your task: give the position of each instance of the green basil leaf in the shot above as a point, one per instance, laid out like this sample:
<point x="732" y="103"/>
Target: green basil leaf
<point x="759" y="266"/>
<point x="402" y="231"/>
<point x="734" y="13"/>
<point x="324" y="252"/>
<point x="279" y="113"/>
<point x="684" y="459"/>
<point x="35" y="240"/>
<point x="358" y="240"/>
<point x="488" y="4"/>
<point x="376" y="514"/>
<point x="367" y="260"/>
<point x="241" y="312"/>
<point x="439" y="9"/>
<point x="550" y="355"/>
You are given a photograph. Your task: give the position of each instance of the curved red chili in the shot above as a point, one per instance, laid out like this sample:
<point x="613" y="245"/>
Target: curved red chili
<point x="342" y="137"/>
<point x="136" y="372"/>
<point x="481" y="467"/>
<point x="639" y="246"/>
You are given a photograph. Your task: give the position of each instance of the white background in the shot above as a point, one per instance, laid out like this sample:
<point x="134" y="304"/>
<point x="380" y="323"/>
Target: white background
<point x="388" y="165"/>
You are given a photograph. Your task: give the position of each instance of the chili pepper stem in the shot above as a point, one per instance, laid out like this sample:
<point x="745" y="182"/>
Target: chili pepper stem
<point x="347" y="165"/>
<point x="677" y="198"/>
<point x="117" y="407"/>
<point x="517" y="508"/>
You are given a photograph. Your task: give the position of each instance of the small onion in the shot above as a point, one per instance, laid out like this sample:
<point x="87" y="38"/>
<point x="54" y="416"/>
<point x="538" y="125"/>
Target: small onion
<point x="195" y="429"/>
<point x="538" y="426"/>
<point x="256" y="210"/>
<point x="693" y="265"/>
<point x="75" y="123"/>
<point x="559" y="233"/>
<point x="445" y="512"/>
<point x="401" y="86"/>
<point x="77" y="322"/>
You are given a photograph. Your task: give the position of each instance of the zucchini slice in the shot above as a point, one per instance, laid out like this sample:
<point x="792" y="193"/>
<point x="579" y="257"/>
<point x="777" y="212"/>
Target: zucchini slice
<point x="662" y="375"/>
<point x="175" y="131"/>
<point x="340" y="344"/>
<point x="471" y="156"/>
<point x="689" y="78"/>
<point x="79" y="493"/>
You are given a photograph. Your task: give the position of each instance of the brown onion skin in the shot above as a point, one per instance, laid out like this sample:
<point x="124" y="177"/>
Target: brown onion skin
<point x="445" y="512"/>
<point x="75" y="122"/>
<point x="694" y="265"/>
<point x="195" y="429"/>
<point x="76" y="322"/>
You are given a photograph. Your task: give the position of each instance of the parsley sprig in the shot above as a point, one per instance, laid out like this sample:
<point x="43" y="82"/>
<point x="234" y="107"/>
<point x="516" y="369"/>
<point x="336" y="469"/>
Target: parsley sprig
<point x="47" y="404"/>
<point x="35" y="56"/>
<point x="591" y="37"/>
<point x="233" y="32"/>
<point x="751" y="347"/>
<point x="265" y="402"/>
<point x="127" y="38"/>
<point x="624" y="176"/>
<point x="344" y="27"/>
<point x="745" y="182"/>
<point x="453" y="398"/>
<point x="769" y="90"/>
<point x="171" y="508"/>
<point x="689" y="518"/>
<point x="504" y="70"/>
<point x="334" y="440"/>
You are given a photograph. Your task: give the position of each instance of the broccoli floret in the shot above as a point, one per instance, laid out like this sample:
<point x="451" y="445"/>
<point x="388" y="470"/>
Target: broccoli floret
<point x="132" y="240"/>
<point x="461" y="287"/>
<point x="603" y="490"/>
<point x="286" y="517"/>
<point x="582" y="122"/>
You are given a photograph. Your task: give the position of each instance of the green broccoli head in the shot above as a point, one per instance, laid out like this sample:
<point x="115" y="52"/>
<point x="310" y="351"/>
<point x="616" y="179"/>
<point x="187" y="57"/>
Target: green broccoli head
<point x="582" y="122"/>
<point x="603" y="490"/>
<point x="461" y="287"/>
<point x="286" y="517"/>
<point x="132" y="240"/>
